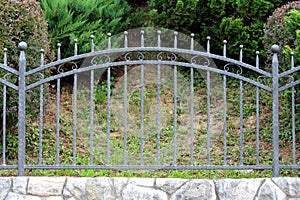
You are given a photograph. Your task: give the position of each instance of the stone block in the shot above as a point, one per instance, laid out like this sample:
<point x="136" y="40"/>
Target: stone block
<point x="20" y="185"/>
<point x="75" y="187"/>
<point x="269" y="191"/>
<point x="131" y="192"/>
<point x="291" y="186"/>
<point x="5" y="184"/>
<point x="46" y="186"/>
<point x="236" y="189"/>
<point x="196" y="189"/>
<point x="169" y="185"/>
<point x="100" y="189"/>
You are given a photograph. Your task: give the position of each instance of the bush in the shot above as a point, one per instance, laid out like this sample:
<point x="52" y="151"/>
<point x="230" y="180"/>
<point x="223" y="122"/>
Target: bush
<point x="276" y="31"/>
<point x="69" y="20"/>
<point x="20" y="20"/>
<point x="238" y="21"/>
<point x="292" y="23"/>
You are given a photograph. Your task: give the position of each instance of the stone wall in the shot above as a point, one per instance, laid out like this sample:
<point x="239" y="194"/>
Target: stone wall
<point x="103" y="188"/>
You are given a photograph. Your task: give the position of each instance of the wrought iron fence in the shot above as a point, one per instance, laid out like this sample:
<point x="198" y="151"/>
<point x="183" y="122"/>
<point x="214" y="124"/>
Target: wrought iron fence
<point x="188" y="148"/>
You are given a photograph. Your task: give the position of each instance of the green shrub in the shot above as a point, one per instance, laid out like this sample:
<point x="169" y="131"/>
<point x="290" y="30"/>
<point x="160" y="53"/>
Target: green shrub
<point x="292" y="23"/>
<point x="69" y="20"/>
<point x="238" y="21"/>
<point x="276" y="31"/>
<point x="20" y="21"/>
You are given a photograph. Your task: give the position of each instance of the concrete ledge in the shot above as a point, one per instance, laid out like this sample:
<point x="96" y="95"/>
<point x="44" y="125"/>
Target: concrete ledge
<point x="72" y="188"/>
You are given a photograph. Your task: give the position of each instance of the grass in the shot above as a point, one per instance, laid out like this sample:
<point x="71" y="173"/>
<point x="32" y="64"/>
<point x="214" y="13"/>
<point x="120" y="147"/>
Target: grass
<point x="99" y="133"/>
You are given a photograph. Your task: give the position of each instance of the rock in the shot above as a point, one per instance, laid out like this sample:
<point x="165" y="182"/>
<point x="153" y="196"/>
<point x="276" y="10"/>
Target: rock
<point x="100" y="189"/>
<point x="145" y="182"/>
<point x="46" y="186"/>
<point x="75" y="187"/>
<point x="289" y="185"/>
<point x="131" y="192"/>
<point x="119" y="185"/>
<point x="237" y="188"/>
<point x="269" y="191"/>
<point x="14" y="196"/>
<point x="5" y="184"/>
<point x="196" y="189"/>
<point x="169" y="185"/>
<point x="20" y="185"/>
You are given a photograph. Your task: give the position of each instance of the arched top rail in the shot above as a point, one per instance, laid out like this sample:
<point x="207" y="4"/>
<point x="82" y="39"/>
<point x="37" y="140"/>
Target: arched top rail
<point x="149" y="62"/>
<point x="150" y="49"/>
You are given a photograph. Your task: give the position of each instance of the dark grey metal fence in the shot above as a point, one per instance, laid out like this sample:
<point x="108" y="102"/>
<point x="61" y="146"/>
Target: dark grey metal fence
<point x="164" y="56"/>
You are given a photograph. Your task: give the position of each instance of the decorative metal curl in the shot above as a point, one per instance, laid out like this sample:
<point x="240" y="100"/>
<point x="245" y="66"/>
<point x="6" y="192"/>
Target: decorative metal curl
<point x="61" y="70"/>
<point x="97" y="59"/>
<point x="290" y="79"/>
<point x="260" y="79"/>
<point x="170" y="56"/>
<point x="140" y="56"/>
<point x="203" y="60"/>
<point x="42" y="76"/>
<point x="229" y="66"/>
<point x="6" y="76"/>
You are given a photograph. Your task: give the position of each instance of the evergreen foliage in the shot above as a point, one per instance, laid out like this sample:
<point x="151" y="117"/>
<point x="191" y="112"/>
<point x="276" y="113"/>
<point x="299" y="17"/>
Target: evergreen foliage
<point x="281" y="29"/>
<point x="20" y="20"/>
<point x="293" y="26"/>
<point x="238" y="21"/>
<point x="69" y="20"/>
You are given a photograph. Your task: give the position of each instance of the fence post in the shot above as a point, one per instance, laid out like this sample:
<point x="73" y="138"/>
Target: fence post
<point x="275" y="111"/>
<point x="21" y="110"/>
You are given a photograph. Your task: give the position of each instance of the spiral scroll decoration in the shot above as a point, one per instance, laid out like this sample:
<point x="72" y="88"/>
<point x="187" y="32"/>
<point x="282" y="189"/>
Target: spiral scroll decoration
<point x="290" y="79"/>
<point x="261" y="78"/>
<point x="134" y="56"/>
<point x="200" y="60"/>
<point x="60" y="68"/>
<point x="100" y="59"/>
<point x="229" y="67"/>
<point x="166" y="56"/>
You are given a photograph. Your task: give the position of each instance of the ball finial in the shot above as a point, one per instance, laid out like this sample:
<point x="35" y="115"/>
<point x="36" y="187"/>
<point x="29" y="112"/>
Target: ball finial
<point x="275" y="48"/>
<point x="22" y="46"/>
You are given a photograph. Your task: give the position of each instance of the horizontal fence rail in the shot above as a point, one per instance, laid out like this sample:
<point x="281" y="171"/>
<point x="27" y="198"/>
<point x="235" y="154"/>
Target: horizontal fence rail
<point x="170" y="108"/>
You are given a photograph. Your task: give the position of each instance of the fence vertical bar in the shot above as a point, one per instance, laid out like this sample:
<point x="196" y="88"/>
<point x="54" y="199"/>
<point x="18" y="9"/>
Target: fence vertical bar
<point x="74" y="119"/>
<point x="58" y="108"/>
<point x="41" y="112"/>
<point x="4" y="127"/>
<point x="92" y="107"/>
<point x="225" y="110"/>
<point x="175" y="105"/>
<point x="4" y="115"/>
<point x="257" y="114"/>
<point x="275" y="111"/>
<point x="158" y="103"/>
<point x="208" y="106"/>
<point x="293" y="115"/>
<point x="108" y="104"/>
<point x="125" y="108"/>
<point x="241" y="111"/>
<point x="192" y="108"/>
<point x="21" y="109"/>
